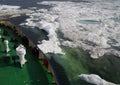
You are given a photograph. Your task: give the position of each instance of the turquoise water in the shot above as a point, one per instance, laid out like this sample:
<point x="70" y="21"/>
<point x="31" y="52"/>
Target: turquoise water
<point x="77" y="61"/>
<point x="89" y="22"/>
<point x="72" y="66"/>
<point x="116" y="19"/>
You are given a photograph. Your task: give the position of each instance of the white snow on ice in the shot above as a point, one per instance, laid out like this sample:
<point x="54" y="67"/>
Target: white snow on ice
<point x="12" y="11"/>
<point x="49" y="24"/>
<point x="95" y="79"/>
<point x="74" y="20"/>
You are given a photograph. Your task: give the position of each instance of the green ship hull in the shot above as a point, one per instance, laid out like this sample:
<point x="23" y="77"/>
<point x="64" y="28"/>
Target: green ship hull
<point x="36" y="71"/>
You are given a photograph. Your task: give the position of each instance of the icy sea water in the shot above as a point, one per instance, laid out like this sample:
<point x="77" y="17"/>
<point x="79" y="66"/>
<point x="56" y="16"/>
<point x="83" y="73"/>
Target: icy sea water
<point x="34" y="34"/>
<point x="89" y="22"/>
<point x="76" y="61"/>
<point x="116" y="19"/>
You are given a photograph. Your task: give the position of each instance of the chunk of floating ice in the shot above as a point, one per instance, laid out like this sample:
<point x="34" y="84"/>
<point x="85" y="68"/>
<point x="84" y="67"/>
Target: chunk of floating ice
<point x="4" y="7"/>
<point x="52" y="45"/>
<point x="95" y="79"/>
<point x="14" y="11"/>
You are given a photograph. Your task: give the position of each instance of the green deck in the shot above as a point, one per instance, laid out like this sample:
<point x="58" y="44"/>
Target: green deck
<point x="32" y="73"/>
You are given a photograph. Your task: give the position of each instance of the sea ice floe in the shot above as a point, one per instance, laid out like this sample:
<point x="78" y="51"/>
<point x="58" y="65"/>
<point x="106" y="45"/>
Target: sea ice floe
<point x="52" y="45"/>
<point x="48" y="23"/>
<point x="95" y="37"/>
<point x="12" y="11"/>
<point x="98" y="37"/>
<point x="95" y="79"/>
<point x="4" y="7"/>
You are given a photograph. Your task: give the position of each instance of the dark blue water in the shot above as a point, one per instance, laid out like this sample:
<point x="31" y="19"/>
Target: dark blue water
<point x="24" y="3"/>
<point x="33" y="3"/>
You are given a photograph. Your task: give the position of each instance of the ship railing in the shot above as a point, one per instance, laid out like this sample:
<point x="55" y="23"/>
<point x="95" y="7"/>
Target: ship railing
<point x="39" y="53"/>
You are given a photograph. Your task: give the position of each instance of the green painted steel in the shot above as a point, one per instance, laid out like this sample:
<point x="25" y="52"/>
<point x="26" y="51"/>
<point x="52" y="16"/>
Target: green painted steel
<point x="32" y="73"/>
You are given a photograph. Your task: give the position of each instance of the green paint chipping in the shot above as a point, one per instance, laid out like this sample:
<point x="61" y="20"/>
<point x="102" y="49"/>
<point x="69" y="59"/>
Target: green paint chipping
<point x="32" y="73"/>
